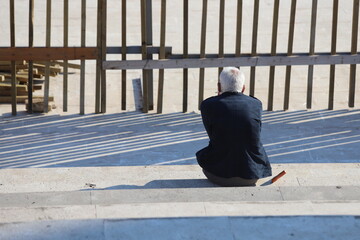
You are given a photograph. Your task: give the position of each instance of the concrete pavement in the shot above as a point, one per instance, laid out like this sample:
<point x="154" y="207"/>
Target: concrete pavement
<point x="81" y="171"/>
<point x="127" y="175"/>
<point x="251" y="228"/>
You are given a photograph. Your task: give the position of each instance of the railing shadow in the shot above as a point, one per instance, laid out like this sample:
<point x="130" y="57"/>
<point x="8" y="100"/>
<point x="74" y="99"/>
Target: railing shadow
<point x="133" y="138"/>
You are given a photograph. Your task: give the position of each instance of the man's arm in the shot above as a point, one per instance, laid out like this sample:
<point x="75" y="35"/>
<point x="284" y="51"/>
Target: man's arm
<point x="206" y="117"/>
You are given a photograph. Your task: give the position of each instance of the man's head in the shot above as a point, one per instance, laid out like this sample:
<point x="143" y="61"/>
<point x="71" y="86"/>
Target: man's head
<point x="231" y="80"/>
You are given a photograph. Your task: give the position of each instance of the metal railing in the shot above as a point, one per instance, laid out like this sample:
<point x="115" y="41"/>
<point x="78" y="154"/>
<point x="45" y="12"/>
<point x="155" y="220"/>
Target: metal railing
<point x="184" y="60"/>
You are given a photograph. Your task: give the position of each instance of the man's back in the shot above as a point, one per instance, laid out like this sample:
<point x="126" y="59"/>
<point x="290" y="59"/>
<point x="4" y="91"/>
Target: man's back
<point x="233" y="123"/>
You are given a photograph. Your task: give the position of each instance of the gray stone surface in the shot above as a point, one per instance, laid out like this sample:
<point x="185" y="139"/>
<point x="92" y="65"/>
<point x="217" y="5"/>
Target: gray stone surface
<point x="180" y="209"/>
<point x="244" y="194"/>
<point x="315" y="228"/>
<point x="26" y="180"/>
<point x="44" y="199"/>
<point x="86" y="229"/>
<point x="135" y="139"/>
<point x="335" y="193"/>
<point x="186" y="195"/>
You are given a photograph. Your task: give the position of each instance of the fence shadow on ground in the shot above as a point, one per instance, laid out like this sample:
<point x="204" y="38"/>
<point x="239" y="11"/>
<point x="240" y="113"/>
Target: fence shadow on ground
<point x="133" y="138"/>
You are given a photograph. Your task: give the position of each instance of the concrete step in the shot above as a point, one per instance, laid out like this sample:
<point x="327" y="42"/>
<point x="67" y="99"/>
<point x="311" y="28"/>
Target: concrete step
<point x="189" y="202"/>
<point x="250" y="228"/>
<point x="24" y="180"/>
<point x="174" y="191"/>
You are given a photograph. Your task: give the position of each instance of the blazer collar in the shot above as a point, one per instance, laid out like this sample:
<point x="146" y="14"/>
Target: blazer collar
<point x="231" y="93"/>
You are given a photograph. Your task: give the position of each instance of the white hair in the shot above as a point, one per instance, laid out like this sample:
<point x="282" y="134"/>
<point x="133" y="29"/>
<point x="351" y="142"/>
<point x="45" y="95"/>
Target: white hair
<point x="232" y="80"/>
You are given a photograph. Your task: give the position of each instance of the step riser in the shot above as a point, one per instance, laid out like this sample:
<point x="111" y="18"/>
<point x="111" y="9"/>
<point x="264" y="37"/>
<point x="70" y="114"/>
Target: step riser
<point x="166" y="210"/>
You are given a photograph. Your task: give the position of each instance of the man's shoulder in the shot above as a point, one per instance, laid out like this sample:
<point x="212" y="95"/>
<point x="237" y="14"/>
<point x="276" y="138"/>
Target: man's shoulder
<point x="240" y="97"/>
<point x="254" y="99"/>
<point x="209" y="101"/>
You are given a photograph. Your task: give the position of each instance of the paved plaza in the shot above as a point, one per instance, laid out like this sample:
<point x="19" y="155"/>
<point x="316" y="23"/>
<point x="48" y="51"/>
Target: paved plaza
<point x="100" y="176"/>
<point x="129" y="175"/>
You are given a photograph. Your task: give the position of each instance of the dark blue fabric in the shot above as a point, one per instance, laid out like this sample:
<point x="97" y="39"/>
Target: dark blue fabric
<point x="233" y="123"/>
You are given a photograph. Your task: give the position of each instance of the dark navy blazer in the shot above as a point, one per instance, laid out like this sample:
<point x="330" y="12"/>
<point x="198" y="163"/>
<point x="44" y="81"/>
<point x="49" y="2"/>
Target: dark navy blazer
<point x="233" y="123"/>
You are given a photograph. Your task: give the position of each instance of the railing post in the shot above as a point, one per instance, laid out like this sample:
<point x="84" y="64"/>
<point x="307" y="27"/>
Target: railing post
<point x="31" y="44"/>
<point x="289" y="53"/>
<point x="202" y="51"/>
<point x="65" y="69"/>
<point x="82" y="65"/>
<point x="311" y="52"/>
<point x="13" y="63"/>
<point x="354" y="38"/>
<point x="149" y="42"/>
<point x="162" y="56"/>
<point x="146" y="39"/>
<point x="333" y="52"/>
<point x="100" y="88"/>
<point x="123" y="54"/>
<point x="221" y="31"/>
<point x="47" y="64"/>
<point x="103" y="55"/>
<point x="254" y="45"/>
<point x="99" y="59"/>
<point x="273" y="53"/>
<point x="238" y="28"/>
<point x="185" y="54"/>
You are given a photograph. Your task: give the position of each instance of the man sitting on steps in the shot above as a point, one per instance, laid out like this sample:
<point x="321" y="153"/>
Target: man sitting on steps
<point x="235" y="155"/>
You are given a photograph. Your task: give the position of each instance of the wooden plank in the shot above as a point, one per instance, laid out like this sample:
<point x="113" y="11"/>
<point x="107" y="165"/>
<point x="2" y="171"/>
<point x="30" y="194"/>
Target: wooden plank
<point x="260" y="60"/>
<point x="47" y="53"/>
<point x="273" y="53"/>
<point x="202" y="51"/>
<point x="311" y="52"/>
<point x="13" y="63"/>
<point x="19" y="77"/>
<point x="185" y="54"/>
<point x="333" y="52"/>
<point x="98" y="60"/>
<point x="31" y="44"/>
<point x="66" y="63"/>
<point x="136" y="50"/>
<point x="62" y="63"/>
<point x="162" y="56"/>
<point x="8" y="63"/>
<point x="18" y="92"/>
<point x="82" y="64"/>
<point x="354" y="39"/>
<point x="41" y="68"/>
<point x="123" y="54"/>
<point x="5" y="68"/>
<point x="238" y="28"/>
<point x="221" y="31"/>
<point x="47" y="65"/>
<point x="6" y="86"/>
<point x="254" y="45"/>
<point x="289" y="53"/>
<point x="21" y="99"/>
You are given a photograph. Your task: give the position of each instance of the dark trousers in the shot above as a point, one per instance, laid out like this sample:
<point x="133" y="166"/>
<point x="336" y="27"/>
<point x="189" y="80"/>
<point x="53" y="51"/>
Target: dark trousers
<point x="230" y="182"/>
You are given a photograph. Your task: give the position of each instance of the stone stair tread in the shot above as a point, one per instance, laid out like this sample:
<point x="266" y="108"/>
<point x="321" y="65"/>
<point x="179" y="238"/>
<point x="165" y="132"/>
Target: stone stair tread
<point x="173" y="191"/>
<point x="186" y="195"/>
<point x="167" y="176"/>
<point x="178" y="209"/>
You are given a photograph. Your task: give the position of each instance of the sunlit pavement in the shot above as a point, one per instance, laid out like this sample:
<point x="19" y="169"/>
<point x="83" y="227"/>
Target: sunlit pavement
<point x="114" y="173"/>
<point x="134" y="176"/>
